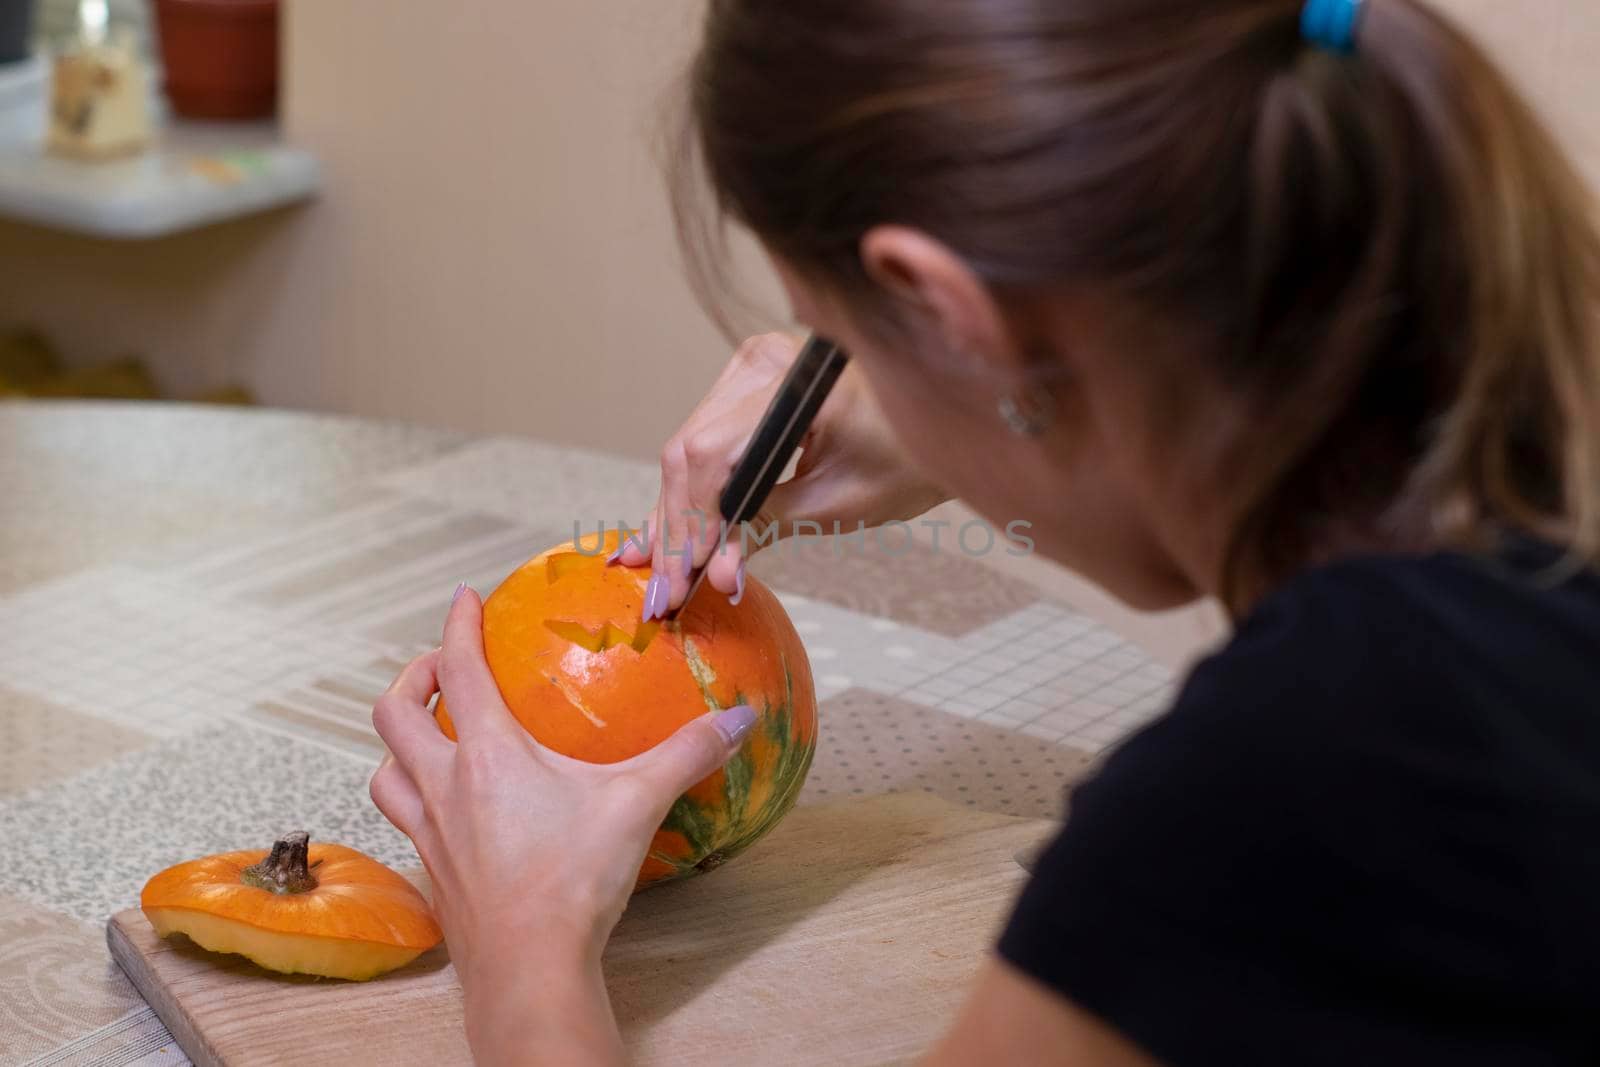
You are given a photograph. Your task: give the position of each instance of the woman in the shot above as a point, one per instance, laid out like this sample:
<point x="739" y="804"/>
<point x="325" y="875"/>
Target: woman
<point x="1290" y="306"/>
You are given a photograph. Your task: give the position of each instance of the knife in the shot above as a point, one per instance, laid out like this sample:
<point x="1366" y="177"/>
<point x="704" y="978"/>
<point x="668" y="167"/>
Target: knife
<point x="809" y="381"/>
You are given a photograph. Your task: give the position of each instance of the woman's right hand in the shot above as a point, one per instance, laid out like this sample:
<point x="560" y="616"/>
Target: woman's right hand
<point x="851" y="471"/>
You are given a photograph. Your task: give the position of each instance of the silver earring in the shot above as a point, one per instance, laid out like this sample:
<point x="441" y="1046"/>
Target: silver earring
<point x="1028" y="413"/>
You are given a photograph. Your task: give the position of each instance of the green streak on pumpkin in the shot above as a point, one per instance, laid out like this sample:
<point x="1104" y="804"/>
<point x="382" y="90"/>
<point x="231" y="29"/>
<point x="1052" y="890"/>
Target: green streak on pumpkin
<point x="788" y="681"/>
<point x="738" y="773"/>
<point x="780" y="804"/>
<point x="794" y="760"/>
<point x="695" y="823"/>
<point x="727" y="831"/>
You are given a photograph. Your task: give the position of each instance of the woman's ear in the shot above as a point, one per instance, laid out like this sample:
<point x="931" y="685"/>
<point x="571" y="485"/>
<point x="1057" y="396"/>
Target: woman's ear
<point x="935" y="285"/>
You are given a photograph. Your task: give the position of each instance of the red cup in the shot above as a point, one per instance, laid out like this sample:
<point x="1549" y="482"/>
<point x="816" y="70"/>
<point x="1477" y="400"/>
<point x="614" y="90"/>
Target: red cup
<point x="221" y="57"/>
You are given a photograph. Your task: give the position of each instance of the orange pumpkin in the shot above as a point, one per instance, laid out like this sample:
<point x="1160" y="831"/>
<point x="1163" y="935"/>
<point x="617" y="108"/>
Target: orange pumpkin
<point x="300" y="909"/>
<point x="587" y="679"/>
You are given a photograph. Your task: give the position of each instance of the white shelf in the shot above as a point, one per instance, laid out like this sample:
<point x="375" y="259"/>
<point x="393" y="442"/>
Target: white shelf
<point x="198" y="174"/>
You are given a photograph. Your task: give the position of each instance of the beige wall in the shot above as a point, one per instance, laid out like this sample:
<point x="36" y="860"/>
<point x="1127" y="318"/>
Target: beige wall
<point x="492" y="251"/>
<point x="1552" y="47"/>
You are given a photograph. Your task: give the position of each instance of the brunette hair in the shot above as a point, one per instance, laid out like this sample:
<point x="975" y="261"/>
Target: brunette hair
<point x="1385" y="252"/>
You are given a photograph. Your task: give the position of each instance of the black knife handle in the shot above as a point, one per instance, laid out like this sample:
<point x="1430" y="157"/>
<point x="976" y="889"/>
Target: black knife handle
<point x="781" y="429"/>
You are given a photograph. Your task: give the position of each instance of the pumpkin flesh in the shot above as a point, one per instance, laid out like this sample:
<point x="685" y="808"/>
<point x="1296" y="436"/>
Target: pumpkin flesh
<point x="328" y="957"/>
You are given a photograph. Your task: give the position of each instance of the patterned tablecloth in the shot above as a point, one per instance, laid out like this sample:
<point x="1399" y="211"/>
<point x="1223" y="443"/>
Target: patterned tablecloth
<point x="198" y="607"/>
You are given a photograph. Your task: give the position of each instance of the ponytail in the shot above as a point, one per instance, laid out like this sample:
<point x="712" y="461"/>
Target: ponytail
<point x="1424" y="306"/>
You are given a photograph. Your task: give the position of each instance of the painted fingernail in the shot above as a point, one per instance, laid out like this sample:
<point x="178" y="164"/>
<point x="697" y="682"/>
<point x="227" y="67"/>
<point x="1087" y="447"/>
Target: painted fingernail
<point x="738" y="586"/>
<point x="735" y="722"/>
<point x="655" y="597"/>
<point x="460" y="588"/>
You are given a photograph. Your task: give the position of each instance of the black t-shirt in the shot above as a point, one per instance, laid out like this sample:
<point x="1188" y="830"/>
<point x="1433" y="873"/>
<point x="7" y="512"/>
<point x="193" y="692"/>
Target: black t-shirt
<point x="1367" y="833"/>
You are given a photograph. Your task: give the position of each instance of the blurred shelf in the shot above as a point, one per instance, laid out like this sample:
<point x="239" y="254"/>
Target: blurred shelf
<point x="198" y="173"/>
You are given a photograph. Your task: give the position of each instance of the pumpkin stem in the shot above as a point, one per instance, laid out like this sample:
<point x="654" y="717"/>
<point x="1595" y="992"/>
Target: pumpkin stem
<point x="285" y="869"/>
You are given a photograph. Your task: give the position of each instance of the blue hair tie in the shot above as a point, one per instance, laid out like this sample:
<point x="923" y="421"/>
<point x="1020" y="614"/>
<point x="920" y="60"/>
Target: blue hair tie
<point x="1331" y="24"/>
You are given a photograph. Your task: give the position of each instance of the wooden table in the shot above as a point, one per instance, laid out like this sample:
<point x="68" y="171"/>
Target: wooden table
<point x="197" y="608"/>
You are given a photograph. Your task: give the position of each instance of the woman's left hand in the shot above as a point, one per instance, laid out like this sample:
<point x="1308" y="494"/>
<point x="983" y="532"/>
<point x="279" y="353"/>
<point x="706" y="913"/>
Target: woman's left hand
<point x="532" y="855"/>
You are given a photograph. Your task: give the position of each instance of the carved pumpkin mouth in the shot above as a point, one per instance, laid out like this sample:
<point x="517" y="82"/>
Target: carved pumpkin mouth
<point x="607" y="637"/>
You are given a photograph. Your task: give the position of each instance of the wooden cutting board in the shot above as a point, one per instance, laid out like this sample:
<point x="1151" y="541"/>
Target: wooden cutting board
<point x="847" y="937"/>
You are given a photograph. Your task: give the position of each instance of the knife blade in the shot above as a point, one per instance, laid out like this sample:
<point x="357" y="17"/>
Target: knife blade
<point x="777" y="437"/>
